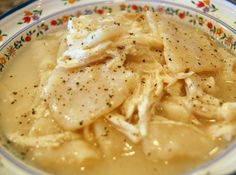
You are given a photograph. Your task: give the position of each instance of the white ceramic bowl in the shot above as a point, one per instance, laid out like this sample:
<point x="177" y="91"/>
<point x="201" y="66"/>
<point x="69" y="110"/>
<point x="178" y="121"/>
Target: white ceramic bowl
<point x="34" y="19"/>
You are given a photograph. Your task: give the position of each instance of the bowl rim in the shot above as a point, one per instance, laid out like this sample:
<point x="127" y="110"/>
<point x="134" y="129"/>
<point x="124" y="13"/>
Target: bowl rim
<point x="16" y="9"/>
<point x="31" y="169"/>
<point x="28" y="2"/>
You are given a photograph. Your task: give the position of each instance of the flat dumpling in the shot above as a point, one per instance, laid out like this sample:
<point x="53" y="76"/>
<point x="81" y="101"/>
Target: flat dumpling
<point x="167" y="139"/>
<point x="78" y="97"/>
<point x="186" y="48"/>
<point x="67" y="158"/>
<point x="44" y="126"/>
<point x="110" y="141"/>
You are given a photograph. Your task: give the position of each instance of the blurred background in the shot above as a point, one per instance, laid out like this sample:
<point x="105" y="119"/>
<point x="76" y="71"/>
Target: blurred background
<point x="8" y="4"/>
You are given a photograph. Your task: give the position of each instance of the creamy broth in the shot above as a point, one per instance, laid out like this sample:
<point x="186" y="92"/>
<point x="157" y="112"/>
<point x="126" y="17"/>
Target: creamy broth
<point x="19" y="89"/>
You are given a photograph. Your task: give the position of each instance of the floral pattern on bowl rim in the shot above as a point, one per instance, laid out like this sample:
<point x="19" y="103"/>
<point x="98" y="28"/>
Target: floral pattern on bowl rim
<point x="34" y="21"/>
<point x="220" y="9"/>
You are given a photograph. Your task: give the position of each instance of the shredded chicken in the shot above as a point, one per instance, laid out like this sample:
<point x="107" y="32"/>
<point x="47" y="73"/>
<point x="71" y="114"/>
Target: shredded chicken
<point x="207" y="105"/>
<point x="225" y="131"/>
<point x="53" y="140"/>
<point x="130" y="78"/>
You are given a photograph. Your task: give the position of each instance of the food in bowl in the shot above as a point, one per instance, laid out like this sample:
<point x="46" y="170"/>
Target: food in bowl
<point x="121" y="93"/>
